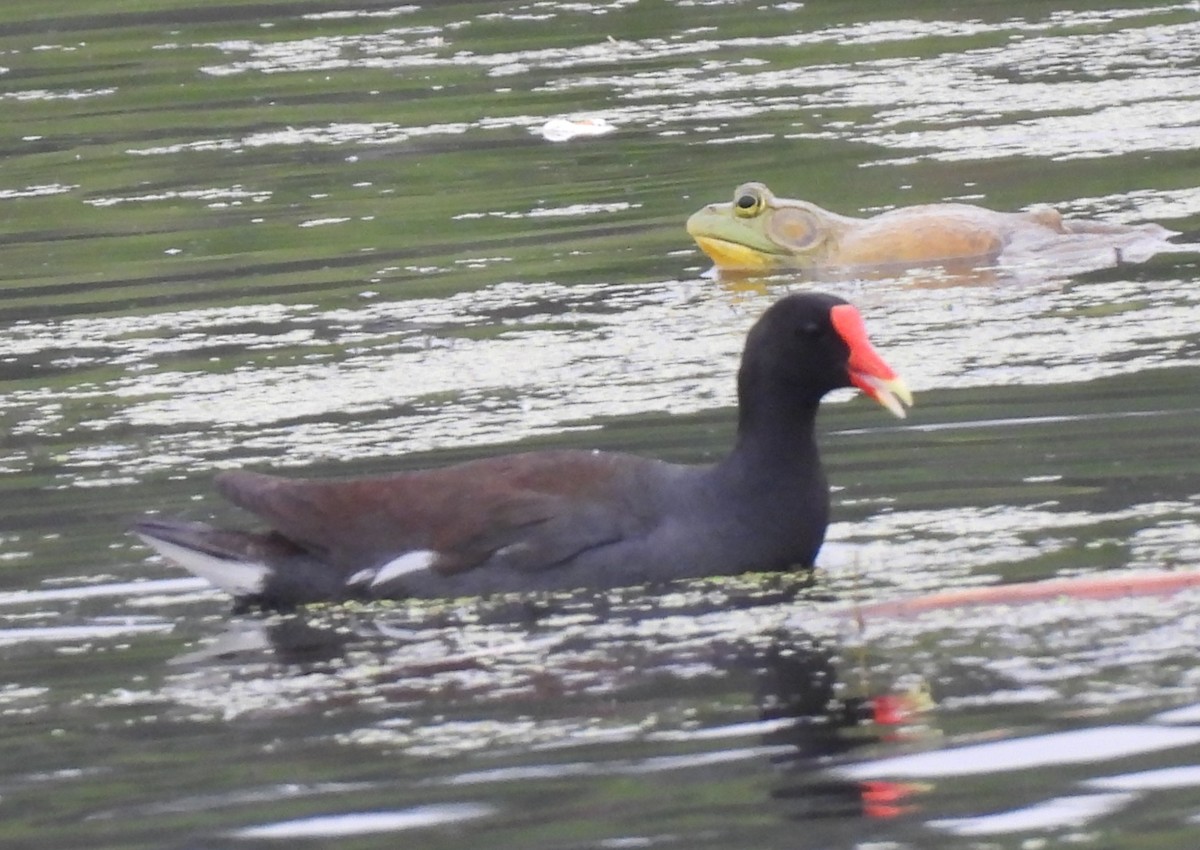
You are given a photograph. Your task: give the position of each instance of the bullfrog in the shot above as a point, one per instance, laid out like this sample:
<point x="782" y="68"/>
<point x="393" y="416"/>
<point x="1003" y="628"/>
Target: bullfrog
<point x="758" y="231"/>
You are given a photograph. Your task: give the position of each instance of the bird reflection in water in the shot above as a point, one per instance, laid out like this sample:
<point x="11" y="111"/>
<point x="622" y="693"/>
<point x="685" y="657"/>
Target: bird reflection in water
<point x="833" y="719"/>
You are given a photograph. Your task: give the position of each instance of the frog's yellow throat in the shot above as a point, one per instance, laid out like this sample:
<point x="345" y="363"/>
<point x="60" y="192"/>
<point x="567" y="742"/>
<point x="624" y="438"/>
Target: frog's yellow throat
<point x="731" y="255"/>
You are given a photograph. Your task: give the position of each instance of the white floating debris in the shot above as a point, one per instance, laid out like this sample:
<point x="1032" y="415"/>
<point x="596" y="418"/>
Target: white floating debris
<point x="565" y="129"/>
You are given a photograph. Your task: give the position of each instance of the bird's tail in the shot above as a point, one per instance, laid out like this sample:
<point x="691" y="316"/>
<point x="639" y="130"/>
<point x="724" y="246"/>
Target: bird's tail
<point x="234" y="561"/>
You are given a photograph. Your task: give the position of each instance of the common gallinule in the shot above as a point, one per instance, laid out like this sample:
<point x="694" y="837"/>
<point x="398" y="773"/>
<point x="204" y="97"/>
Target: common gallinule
<point x="561" y="519"/>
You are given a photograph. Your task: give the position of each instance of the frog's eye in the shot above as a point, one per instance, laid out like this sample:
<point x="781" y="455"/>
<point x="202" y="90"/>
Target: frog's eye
<point x="748" y="202"/>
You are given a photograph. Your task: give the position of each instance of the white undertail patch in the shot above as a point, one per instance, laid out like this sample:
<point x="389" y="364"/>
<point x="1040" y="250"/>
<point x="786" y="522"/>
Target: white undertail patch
<point x="239" y="578"/>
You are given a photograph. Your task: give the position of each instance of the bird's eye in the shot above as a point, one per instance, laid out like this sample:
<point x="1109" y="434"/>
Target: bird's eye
<point x="810" y="330"/>
<point x="747" y="205"/>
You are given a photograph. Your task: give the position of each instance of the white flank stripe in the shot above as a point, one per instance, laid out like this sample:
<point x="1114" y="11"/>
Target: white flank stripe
<point x="409" y="562"/>
<point x="360" y="577"/>
<point x="240" y="578"/>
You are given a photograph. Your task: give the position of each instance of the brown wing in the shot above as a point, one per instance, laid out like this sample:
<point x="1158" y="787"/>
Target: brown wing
<point x="537" y="508"/>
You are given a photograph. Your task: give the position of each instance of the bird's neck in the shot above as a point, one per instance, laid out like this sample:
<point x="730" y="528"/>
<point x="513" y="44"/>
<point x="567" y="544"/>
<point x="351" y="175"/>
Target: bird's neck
<point x="776" y="440"/>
